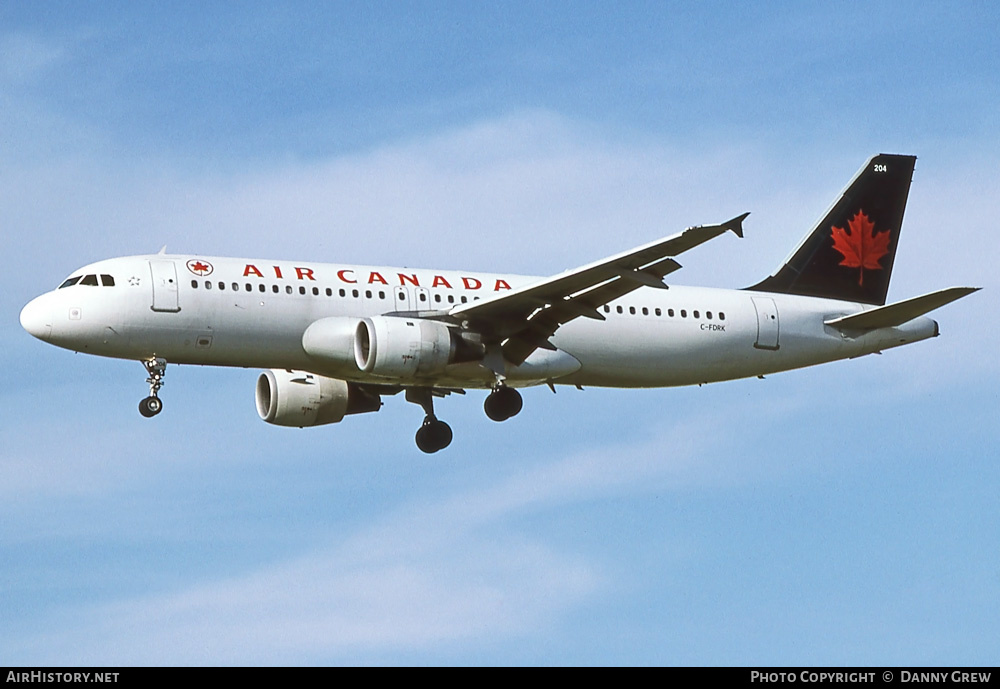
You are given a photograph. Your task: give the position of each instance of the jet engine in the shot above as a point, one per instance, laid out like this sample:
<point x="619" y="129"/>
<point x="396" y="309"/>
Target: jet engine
<point x="394" y="347"/>
<point x="295" y="398"/>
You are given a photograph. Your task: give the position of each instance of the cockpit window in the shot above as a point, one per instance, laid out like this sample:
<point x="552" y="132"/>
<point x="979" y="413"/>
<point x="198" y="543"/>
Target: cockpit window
<point x="90" y="280"/>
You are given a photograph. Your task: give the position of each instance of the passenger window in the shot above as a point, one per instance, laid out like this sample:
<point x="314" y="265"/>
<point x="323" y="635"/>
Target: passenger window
<point x="670" y="312"/>
<point x="315" y="291"/>
<point x="619" y="309"/>
<point x="208" y="285"/>
<point x="684" y="314"/>
<point x="423" y="297"/>
<point x="464" y="300"/>
<point x="249" y="287"/>
<point x="354" y="293"/>
<point x="107" y="280"/>
<point x="288" y="289"/>
<point x="437" y="298"/>
<point x="261" y="287"/>
<point x="222" y="285"/>
<point x="695" y="314"/>
<point x="368" y="294"/>
<point x="722" y="316"/>
<point x="631" y="310"/>
<point x="708" y="315"/>
<point x="381" y="294"/>
<point x="70" y="282"/>
<point x="329" y="292"/>
<point x="659" y="312"/>
<point x="343" y="293"/>
<point x="302" y="290"/>
<point x="645" y="311"/>
<point x="90" y="280"/>
<point x="194" y="284"/>
<point x="451" y="299"/>
<point x="236" y="287"/>
<point x="274" y="288"/>
<point x="607" y="309"/>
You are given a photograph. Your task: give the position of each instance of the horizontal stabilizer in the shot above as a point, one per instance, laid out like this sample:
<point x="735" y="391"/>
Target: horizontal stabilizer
<point x="892" y="315"/>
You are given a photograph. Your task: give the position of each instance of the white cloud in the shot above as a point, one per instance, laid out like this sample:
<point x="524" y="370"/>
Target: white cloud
<point x="335" y="605"/>
<point x="531" y="192"/>
<point x="451" y="570"/>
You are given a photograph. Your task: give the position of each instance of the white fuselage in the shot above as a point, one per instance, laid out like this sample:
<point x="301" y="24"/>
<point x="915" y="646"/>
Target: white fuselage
<point x="253" y="313"/>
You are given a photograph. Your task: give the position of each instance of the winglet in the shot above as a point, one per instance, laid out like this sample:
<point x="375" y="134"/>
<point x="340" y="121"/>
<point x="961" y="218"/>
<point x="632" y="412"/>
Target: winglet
<point x="162" y="251"/>
<point x="736" y="225"/>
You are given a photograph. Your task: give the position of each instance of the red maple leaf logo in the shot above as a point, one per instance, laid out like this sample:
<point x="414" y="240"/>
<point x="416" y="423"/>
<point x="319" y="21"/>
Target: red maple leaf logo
<point x="861" y="246"/>
<point x="199" y="267"/>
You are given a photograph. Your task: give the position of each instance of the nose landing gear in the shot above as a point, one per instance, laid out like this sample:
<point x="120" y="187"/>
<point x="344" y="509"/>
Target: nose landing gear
<point x="153" y="405"/>
<point x="503" y="403"/>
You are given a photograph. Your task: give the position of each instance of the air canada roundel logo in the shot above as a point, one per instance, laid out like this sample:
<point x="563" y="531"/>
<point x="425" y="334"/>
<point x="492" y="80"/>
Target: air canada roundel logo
<point x="199" y="267"/>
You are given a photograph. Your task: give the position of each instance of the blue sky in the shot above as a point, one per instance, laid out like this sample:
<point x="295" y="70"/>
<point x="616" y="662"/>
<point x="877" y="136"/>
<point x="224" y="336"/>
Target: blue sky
<point x="845" y="514"/>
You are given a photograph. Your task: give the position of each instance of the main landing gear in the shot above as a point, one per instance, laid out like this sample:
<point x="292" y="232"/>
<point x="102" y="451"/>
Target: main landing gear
<point x="503" y="403"/>
<point x="152" y="405"/>
<point x="433" y="434"/>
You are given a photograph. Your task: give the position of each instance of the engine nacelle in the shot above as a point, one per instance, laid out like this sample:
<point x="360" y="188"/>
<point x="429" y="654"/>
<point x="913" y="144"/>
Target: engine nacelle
<point x="395" y="347"/>
<point x="331" y="340"/>
<point x="295" y="398"/>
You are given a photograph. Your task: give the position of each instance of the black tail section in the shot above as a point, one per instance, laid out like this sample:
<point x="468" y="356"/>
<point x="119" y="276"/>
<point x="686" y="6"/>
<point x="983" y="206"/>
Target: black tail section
<point x="849" y="254"/>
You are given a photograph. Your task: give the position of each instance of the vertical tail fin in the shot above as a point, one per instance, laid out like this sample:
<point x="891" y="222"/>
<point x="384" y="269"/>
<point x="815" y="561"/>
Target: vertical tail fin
<point x="849" y="254"/>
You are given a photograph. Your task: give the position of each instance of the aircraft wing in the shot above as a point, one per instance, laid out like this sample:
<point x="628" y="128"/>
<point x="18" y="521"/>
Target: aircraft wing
<point x="524" y="319"/>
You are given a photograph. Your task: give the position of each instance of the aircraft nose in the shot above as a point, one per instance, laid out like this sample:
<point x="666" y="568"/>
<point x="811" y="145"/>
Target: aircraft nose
<point x="36" y="319"/>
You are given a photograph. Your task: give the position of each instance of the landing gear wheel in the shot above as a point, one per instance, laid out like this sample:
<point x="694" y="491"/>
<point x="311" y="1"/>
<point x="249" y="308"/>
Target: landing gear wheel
<point x="503" y="403"/>
<point x="434" y="435"/>
<point x="156" y="367"/>
<point x="151" y="406"/>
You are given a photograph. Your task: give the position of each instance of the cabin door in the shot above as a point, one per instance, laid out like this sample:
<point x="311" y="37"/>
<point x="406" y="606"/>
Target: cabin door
<point x="164" y="276"/>
<point x="767" y="323"/>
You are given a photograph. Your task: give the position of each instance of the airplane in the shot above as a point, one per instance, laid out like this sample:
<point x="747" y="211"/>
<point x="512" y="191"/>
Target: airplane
<point x="334" y="339"/>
